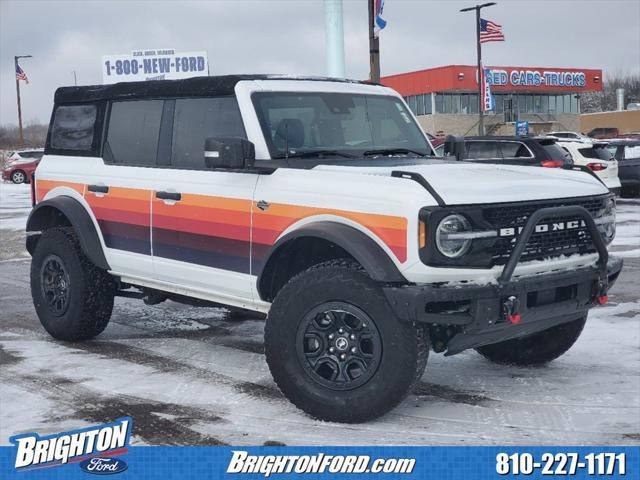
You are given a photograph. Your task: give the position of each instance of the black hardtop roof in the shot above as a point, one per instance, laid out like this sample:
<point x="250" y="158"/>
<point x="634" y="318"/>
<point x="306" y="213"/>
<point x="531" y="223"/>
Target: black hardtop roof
<point x="520" y="138"/>
<point x="196" y="86"/>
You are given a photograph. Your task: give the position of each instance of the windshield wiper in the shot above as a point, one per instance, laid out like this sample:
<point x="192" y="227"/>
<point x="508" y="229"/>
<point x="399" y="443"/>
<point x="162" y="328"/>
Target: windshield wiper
<point x="314" y="153"/>
<point x="393" y="151"/>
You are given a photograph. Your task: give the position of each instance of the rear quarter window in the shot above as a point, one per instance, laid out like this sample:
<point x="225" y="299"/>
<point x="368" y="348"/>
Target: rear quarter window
<point x="596" y="153"/>
<point x="73" y="128"/>
<point x="482" y="150"/>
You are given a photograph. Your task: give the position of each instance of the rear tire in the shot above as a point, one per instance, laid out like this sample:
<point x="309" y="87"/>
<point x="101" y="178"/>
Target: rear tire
<point x="72" y="297"/>
<point x="536" y="349"/>
<point x="19" y="176"/>
<point x="335" y="305"/>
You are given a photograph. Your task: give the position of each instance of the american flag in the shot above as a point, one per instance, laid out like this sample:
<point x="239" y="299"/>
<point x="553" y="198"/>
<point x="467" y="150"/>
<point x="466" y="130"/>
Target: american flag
<point x="490" y="32"/>
<point x="378" y="22"/>
<point x="20" y="75"/>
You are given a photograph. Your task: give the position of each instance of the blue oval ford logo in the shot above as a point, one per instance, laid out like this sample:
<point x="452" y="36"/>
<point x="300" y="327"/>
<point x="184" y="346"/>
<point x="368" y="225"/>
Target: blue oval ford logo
<point x="103" y="465"/>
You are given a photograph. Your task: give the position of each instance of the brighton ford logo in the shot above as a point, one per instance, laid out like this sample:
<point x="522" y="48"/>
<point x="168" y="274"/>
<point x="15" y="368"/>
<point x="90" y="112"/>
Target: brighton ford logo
<point x="103" y="465"/>
<point x="99" y="442"/>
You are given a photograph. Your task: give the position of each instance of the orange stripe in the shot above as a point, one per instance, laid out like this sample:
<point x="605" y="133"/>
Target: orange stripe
<point x="208" y="201"/>
<point x="369" y="219"/>
<point x="44" y="186"/>
<point x="217" y="215"/>
<point x="139" y="206"/>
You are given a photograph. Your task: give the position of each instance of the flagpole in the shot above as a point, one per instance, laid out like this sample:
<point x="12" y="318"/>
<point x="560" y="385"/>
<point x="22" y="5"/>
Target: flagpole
<point x="15" y="61"/>
<point x="480" y="74"/>
<point x="477" y="8"/>
<point x="374" y="46"/>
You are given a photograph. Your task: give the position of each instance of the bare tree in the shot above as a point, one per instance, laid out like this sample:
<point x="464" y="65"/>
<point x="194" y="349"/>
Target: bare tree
<point x="606" y="100"/>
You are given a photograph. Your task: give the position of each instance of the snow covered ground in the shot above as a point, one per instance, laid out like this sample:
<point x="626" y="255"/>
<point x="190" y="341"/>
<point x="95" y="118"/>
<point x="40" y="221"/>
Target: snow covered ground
<point x="193" y="376"/>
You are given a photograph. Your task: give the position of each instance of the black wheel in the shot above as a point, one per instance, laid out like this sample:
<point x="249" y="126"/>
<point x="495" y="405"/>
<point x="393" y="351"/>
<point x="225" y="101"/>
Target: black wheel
<point x="535" y="349"/>
<point x="73" y="298"/>
<point x="335" y="347"/>
<point x="18" y="176"/>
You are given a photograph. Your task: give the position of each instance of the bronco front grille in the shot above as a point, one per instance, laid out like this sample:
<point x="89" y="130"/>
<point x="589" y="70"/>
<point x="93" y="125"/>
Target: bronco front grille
<point x="545" y="244"/>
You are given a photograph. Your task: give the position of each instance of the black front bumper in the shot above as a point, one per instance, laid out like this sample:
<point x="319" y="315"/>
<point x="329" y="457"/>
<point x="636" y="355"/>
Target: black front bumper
<point x="478" y="314"/>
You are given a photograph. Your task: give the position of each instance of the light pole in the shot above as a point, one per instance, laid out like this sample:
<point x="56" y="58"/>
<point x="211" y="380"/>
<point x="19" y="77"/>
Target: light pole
<point x="15" y="61"/>
<point x="374" y="46"/>
<point x="477" y="8"/>
<point x="334" y="38"/>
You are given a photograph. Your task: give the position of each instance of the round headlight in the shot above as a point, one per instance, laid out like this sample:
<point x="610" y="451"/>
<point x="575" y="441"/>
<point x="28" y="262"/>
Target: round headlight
<point x="608" y="225"/>
<point x="447" y="240"/>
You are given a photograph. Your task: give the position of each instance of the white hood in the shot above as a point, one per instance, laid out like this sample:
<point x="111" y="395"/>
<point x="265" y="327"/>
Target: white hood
<point x="462" y="183"/>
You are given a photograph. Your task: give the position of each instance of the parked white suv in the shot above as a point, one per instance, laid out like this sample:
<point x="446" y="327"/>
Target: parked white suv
<point x="570" y="136"/>
<point x="319" y="203"/>
<point x="597" y="158"/>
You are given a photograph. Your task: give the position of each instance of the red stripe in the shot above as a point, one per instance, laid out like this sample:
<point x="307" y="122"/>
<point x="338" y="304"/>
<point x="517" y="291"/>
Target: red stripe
<point x="79" y="459"/>
<point x="120" y="216"/>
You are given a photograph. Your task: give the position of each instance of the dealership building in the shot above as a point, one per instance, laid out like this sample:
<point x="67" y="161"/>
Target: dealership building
<point x="445" y="99"/>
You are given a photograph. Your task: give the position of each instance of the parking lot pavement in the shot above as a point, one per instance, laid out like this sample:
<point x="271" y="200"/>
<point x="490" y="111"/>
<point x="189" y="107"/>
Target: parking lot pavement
<point x="196" y="376"/>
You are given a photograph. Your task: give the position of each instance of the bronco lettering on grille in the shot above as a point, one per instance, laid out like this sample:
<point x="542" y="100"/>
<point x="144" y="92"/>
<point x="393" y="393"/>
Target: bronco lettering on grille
<point x="544" y="227"/>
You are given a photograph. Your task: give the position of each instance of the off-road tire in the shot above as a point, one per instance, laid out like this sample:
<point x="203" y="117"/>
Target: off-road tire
<point x="90" y="289"/>
<point x="405" y="347"/>
<point x="536" y="349"/>
<point x="18" y="176"/>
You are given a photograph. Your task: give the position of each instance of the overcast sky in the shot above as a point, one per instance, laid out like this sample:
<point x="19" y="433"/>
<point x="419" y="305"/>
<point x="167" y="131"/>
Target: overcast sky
<point x="287" y="36"/>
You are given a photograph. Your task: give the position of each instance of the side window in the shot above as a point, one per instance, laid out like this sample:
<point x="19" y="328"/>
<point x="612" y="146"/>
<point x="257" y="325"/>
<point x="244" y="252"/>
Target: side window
<point x="482" y="150"/>
<point x="195" y="120"/>
<point x="134" y="128"/>
<point x="73" y="127"/>
<point x="514" y="150"/>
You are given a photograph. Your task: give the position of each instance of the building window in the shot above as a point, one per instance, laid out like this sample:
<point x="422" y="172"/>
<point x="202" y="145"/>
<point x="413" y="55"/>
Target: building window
<point x="412" y="103"/>
<point x="428" y="109"/>
<point x="473" y="104"/>
<point x="420" y="107"/>
<point x="455" y="104"/>
<point x="439" y="103"/>
<point x="447" y="104"/>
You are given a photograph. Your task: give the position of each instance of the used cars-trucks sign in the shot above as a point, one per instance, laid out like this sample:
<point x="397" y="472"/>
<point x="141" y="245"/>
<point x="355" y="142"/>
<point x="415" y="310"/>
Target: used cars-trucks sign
<point x="161" y="64"/>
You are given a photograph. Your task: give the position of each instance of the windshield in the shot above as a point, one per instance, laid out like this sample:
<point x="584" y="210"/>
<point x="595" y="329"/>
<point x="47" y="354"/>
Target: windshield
<point x="340" y="125"/>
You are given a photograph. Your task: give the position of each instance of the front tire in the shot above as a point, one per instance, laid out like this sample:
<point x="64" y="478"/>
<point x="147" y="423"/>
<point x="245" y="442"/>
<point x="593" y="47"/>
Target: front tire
<point x="536" y="349"/>
<point x="335" y="348"/>
<point x="72" y="297"/>
<point x="18" y="176"/>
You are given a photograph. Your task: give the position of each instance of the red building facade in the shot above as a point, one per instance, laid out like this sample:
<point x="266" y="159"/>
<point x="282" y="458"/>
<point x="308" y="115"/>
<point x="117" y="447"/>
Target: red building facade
<point x="537" y="93"/>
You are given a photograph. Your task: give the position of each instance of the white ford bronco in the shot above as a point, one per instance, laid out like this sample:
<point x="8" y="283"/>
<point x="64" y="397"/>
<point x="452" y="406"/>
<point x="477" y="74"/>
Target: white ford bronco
<point x="320" y="204"/>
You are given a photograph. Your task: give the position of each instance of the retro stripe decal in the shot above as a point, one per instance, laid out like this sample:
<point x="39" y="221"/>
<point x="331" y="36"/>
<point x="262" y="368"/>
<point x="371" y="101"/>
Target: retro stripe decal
<point x="209" y="230"/>
<point x="44" y="186"/>
<point x="124" y="216"/>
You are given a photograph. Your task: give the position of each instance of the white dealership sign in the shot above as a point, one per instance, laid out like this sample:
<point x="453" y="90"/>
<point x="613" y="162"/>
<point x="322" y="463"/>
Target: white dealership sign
<point x="159" y="64"/>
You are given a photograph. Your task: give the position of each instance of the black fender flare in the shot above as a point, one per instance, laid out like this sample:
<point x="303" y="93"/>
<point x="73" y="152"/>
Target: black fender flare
<point x="47" y="215"/>
<point x="359" y="245"/>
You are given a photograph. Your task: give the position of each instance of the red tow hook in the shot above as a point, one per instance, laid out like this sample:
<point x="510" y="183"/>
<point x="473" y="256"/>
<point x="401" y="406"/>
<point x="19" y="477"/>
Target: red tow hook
<point x="514" y="319"/>
<point x="511" y="308"/>
<point x="602" y="299"/>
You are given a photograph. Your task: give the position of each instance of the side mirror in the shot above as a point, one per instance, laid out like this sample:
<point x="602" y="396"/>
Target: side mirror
<point x="454" y="146"/>
<point x="229" y="152"/>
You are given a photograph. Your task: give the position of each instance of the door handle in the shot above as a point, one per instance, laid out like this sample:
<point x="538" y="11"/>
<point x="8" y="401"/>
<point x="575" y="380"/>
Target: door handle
<point x="169" y="196"/>
<point x="98" y="188"/>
